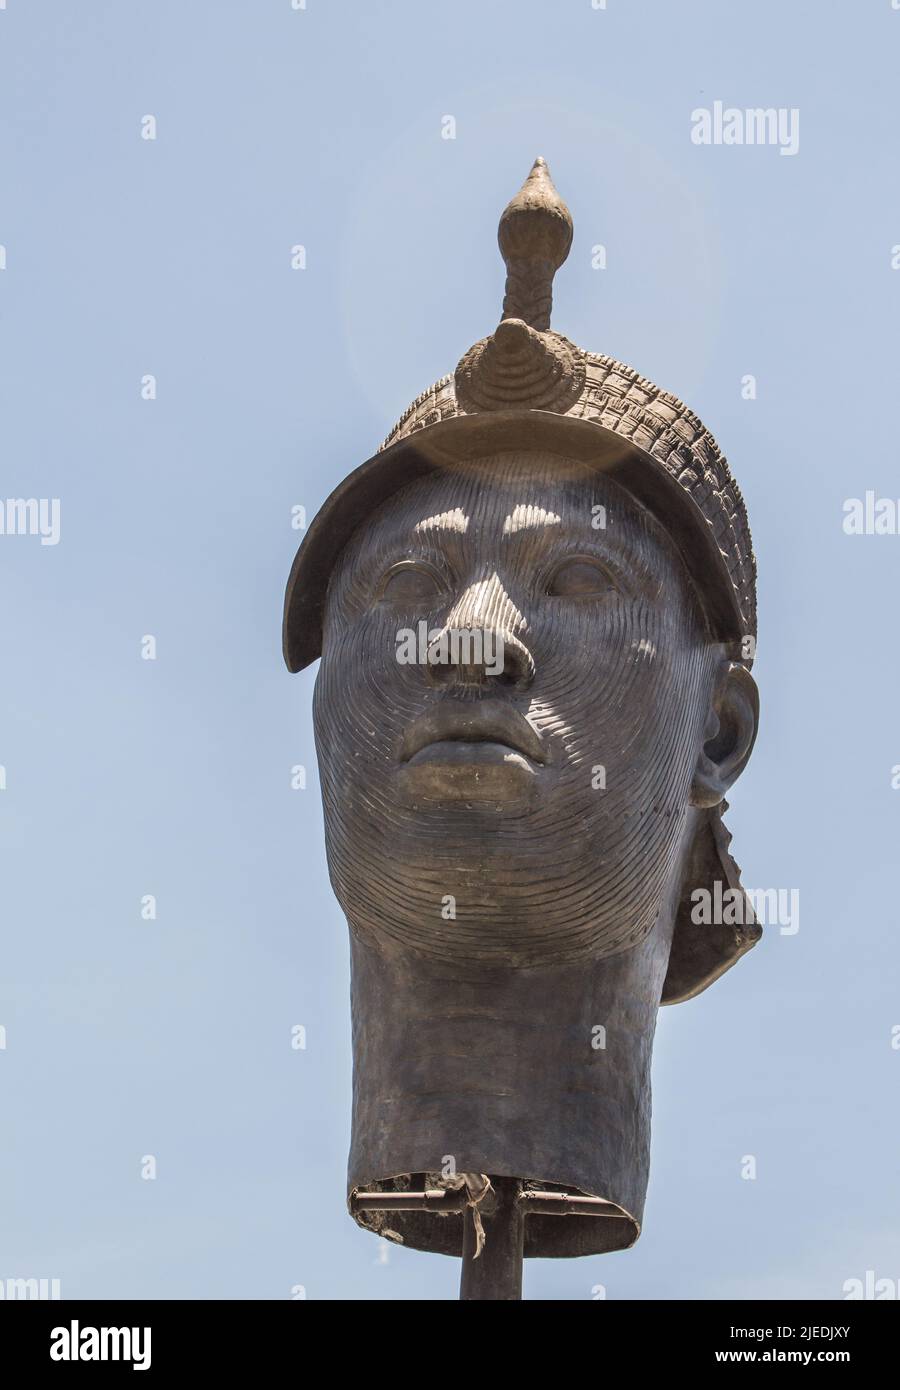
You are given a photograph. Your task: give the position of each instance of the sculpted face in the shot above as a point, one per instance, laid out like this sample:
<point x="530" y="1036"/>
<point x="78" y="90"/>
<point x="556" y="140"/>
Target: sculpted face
<point x="545" y="800"/>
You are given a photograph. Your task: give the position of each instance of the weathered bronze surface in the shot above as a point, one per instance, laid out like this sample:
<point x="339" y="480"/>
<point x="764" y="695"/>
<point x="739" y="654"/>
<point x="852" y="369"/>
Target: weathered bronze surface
<point x="515" y="843"/>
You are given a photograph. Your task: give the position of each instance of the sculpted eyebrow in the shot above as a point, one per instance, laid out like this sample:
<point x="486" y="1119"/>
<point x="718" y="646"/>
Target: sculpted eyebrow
<point x="527" y="517"/>
<point x="568" y="533"/>
<point x="454" y="520"/>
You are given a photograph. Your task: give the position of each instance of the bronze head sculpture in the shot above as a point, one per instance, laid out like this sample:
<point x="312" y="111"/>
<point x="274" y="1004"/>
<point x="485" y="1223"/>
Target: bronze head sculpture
<point x="515" y="829"/>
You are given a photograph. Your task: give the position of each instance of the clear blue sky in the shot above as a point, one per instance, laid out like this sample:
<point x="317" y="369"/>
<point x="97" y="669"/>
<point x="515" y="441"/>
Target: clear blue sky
<point x="128" y="777"/>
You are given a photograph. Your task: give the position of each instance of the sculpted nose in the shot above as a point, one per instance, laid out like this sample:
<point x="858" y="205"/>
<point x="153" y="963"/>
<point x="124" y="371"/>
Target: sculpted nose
<point x="478" y="644"/>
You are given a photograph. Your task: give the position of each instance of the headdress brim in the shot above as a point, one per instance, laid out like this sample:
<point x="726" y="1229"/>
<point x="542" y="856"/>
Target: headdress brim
<point x="464" y="439"/>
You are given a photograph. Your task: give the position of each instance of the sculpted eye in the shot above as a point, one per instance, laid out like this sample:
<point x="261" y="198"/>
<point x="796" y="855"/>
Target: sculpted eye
<point x="580" y="579"/>
<point x="411" y="581"/>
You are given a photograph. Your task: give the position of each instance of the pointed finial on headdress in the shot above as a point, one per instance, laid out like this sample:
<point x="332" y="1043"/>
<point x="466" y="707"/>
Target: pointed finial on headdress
<point x="523" y="365"/>
<point x="535" y="234"/>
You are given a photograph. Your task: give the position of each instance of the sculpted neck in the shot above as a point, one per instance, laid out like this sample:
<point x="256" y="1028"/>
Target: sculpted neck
<point x="539" y="1074"/>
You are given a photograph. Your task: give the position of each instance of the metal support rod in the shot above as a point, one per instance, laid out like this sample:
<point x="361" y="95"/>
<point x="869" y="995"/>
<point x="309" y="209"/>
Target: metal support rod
<point x="437" y="1199"/>
<point x="497" y="1273"/>
<point x="567" y="1204"/>
<point x="533" y="1202"/>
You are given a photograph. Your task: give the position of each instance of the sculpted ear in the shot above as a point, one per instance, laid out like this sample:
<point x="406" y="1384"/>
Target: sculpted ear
<point x="729" y="735"/>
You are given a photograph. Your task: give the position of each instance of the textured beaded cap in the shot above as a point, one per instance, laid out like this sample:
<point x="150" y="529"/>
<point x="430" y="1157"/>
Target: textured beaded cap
<point x="525" y="365"/>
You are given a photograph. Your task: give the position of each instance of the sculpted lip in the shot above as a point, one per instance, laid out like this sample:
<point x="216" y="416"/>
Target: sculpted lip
<point x="488" y="721"/>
